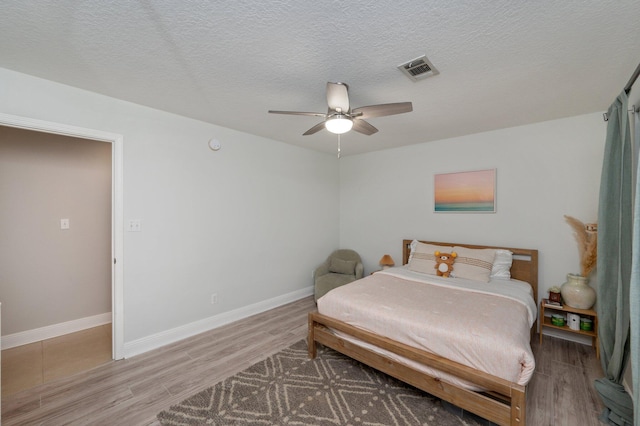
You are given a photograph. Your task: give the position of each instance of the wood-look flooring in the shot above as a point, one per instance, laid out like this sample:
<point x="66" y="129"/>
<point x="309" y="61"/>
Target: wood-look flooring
<point x="134" y="390"/>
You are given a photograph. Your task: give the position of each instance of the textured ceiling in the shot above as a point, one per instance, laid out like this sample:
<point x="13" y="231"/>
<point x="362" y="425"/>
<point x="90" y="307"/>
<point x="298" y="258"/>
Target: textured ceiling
<point x="502" y="63"/>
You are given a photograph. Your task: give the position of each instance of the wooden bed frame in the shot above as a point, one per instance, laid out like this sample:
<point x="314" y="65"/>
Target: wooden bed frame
<point x="503" y="403"/>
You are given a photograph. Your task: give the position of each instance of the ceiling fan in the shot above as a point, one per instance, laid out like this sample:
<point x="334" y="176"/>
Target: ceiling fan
<point x="340" y="118"/>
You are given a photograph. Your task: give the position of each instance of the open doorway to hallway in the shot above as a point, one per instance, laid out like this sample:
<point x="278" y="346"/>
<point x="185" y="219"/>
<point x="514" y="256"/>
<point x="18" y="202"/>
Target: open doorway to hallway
<point x="56" y="251"/>
<point x="117" y="189"/>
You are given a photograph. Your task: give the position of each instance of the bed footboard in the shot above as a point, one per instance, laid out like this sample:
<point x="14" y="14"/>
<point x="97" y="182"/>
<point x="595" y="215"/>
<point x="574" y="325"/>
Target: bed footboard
<point x="503" y="403"/>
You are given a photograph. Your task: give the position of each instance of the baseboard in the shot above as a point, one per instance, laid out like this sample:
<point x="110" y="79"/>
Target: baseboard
<point x="155" y="341"/>
<point x="55" y="330"/>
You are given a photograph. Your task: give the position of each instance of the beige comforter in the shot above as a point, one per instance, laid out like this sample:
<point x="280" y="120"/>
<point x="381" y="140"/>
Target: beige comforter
<point x="482" y="325"/>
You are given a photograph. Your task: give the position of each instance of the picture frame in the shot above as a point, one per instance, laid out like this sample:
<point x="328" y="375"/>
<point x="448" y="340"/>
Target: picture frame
<point x="465" y="192"/>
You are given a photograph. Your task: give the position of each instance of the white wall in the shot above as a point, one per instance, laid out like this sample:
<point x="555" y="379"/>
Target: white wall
<point x="248" y="222"/>
<point x="49" y="275"/>
<point x="544" y="171"/>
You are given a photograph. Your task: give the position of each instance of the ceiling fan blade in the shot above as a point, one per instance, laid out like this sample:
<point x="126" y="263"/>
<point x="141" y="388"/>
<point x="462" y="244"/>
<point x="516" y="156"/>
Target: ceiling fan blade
<point x="314" y="129"/>
<point x="382" y="110"/>
<point x="338" y="97"/>
<point x="363" y="127"/>
<point x="313" y="114"/>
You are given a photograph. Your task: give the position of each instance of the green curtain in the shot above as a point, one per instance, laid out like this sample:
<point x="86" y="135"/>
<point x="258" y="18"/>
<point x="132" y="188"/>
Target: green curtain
<point x="634" y="294"/>
<point x="615" y="221"/>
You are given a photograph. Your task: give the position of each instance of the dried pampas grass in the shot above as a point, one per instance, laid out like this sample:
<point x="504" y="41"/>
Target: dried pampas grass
<point x="587" y="238"/>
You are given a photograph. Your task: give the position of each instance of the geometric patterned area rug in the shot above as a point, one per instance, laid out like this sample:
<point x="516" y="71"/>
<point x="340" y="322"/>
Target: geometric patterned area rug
<point x="290" y="389"/>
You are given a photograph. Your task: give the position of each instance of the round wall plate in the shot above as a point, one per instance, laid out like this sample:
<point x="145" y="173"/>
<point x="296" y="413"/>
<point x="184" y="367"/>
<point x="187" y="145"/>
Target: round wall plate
<point x="214" y="144"/>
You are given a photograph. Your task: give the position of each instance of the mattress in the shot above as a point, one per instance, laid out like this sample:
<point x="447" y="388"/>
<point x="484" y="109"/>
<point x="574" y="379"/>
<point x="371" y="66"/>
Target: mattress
<point x="485" y="326"/>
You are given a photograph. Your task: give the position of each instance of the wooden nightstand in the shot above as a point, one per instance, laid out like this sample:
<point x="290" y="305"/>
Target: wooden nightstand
<point x="590" y="313"/>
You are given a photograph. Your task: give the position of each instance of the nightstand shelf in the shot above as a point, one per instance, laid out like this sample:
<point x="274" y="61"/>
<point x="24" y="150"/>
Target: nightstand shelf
<point x="590" y="313"/>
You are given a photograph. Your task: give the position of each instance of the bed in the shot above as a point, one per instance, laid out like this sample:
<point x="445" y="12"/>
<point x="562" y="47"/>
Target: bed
<point x="414" y="356"/>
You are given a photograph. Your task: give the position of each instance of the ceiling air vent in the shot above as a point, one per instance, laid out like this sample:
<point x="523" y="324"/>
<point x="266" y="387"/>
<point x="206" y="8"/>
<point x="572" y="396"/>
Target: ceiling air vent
<point x="418" y="68"/>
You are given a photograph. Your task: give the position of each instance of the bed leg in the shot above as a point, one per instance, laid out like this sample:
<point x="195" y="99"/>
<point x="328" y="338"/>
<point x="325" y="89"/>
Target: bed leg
<point x="518" y="408"/>
<point x="311" y="342"/>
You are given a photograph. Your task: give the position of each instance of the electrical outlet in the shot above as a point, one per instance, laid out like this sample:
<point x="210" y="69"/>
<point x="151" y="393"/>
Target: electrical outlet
<point x="214" y="298"/>
<point x="134" y="225"/>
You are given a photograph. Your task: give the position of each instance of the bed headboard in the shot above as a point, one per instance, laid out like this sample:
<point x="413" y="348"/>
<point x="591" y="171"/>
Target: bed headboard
<point x="524" y="267"/>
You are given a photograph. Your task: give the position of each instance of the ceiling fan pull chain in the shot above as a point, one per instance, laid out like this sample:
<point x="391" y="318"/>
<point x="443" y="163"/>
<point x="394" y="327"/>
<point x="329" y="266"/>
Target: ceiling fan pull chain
<point x="338" y="147"/>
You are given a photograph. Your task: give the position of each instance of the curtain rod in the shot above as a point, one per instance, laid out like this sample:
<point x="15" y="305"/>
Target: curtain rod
<point x="632" y="80"/>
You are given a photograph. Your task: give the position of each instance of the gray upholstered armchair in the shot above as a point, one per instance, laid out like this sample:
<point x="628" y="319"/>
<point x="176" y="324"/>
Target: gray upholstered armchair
<point x="340" y="268"/>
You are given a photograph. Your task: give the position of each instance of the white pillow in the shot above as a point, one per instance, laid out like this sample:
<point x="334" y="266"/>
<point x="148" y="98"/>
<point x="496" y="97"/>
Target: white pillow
<point x="502" y="264"/>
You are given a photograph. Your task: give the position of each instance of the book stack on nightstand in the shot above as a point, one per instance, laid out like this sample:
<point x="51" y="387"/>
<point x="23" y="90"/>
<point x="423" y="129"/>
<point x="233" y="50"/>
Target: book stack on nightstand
<point x="588" y="321"/>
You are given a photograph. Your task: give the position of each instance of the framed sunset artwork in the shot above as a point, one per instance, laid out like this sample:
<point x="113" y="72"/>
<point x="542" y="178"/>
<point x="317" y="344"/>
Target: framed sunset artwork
<point x="465" y="192"/>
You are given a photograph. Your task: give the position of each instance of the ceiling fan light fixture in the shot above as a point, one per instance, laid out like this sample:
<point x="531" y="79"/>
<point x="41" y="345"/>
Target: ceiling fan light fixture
<point x="339" y="124"/>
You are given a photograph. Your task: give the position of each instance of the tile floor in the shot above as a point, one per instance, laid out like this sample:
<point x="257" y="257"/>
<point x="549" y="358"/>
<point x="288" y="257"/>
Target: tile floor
<point x="24" y="367"/>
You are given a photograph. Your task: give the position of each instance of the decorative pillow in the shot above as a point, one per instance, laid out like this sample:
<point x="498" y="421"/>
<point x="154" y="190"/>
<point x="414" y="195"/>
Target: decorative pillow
<point x="413" y="246"/>
<point x="502" y="264"/>
<point x="339" y="266"/>
<point x="422" y="257"/>
<point x="474" y="264"/>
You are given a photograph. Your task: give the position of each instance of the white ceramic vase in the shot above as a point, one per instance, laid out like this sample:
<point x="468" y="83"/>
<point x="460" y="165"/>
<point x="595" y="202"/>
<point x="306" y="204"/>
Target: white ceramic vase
<point x="577" y="293"/>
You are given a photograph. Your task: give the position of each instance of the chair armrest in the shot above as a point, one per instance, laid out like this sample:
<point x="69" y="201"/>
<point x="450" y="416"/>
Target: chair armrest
<point x="359" y="270"/>
<point x="321" y="270"/>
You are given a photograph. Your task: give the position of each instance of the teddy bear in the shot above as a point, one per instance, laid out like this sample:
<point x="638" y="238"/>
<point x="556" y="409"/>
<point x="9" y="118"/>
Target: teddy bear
<point x="444" y="263"/>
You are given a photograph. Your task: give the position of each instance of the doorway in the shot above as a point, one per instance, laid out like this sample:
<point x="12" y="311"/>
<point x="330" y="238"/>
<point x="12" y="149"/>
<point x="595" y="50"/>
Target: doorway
<point x="117" y="297"/>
